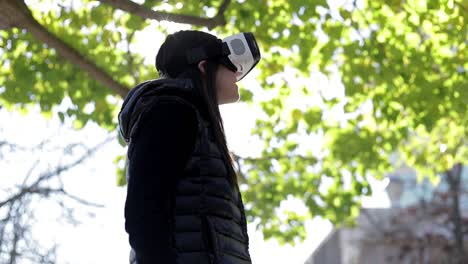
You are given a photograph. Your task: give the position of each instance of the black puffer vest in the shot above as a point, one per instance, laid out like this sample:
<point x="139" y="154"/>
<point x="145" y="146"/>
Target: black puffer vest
<point x="208" y="223"/>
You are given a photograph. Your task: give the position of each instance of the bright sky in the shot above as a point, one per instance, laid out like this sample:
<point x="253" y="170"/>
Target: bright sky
<point x="102" y="239"/>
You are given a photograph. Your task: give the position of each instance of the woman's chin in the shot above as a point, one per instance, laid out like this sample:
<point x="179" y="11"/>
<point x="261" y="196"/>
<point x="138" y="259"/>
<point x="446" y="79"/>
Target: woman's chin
<point x="233" y="99"/>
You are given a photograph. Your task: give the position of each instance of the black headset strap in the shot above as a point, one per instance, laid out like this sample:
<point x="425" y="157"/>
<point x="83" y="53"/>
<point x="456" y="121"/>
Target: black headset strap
<point x="197" y="54"/>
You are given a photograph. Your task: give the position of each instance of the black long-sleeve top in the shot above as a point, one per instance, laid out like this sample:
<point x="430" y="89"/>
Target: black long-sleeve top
<point x="157" y="155"/>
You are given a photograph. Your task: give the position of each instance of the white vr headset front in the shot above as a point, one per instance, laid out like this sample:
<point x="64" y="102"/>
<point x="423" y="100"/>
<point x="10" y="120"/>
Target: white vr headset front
<point x="239" y="53"/>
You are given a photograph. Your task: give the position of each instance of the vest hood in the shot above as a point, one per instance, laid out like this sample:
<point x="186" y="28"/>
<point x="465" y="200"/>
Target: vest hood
<point x="134" y="105"/>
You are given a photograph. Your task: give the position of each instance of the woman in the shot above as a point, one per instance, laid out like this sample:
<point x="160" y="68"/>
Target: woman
<point x="183" y="203"/>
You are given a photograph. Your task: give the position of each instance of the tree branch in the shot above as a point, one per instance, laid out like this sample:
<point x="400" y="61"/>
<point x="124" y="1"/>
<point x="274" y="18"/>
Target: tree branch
<point x="239" y="172"/>
<point x="461" y="6"/>
<point x="454" y="178"/>
<point x="223" y="8"/>
<point x="34" y="188"/>
<point x="275" y="157"/>
<point x="147" y="13"/>
<point x="16" y="13"/>
<point x="80" y="200"/>
<point x="8" y="14"/>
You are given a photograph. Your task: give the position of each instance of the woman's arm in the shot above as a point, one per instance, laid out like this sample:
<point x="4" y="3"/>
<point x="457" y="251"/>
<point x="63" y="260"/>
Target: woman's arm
<point x="159" y="151"/>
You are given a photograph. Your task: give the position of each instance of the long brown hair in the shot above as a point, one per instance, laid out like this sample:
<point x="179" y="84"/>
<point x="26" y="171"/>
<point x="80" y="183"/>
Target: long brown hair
<point x="209" y="94"/>
<point x="171" y="65"/>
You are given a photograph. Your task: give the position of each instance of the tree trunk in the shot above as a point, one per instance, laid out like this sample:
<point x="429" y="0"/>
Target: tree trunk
<point x="14" y="13"/>
<point x="454" y="178"/>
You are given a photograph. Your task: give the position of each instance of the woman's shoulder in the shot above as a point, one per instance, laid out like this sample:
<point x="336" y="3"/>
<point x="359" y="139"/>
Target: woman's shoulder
<point x="174" y="101"/>
<point x="178" y="105"/>
<point x="172" y="107"/>
<point x="168" y="119"/>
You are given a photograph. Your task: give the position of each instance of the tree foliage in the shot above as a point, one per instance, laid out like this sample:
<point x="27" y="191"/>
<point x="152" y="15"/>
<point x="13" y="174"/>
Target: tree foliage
<point x="402" y="63"/>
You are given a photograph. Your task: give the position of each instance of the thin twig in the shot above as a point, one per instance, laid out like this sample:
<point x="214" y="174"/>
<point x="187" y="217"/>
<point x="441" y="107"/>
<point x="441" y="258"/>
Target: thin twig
<point x="80" y="200"/>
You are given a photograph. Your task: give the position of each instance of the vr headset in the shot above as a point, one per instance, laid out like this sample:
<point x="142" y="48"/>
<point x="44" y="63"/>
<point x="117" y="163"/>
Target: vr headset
<point x="239" y="53"/>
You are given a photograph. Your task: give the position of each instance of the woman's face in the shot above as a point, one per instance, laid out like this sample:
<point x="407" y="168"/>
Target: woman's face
<point x="227" y="89"/>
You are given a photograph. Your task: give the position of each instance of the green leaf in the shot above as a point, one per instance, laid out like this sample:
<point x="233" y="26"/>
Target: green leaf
<point x="121" y="170"/>
<point x="245" y="95"/>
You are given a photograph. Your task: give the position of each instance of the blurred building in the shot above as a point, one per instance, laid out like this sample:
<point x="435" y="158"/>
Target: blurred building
<point x="415" y="229"/>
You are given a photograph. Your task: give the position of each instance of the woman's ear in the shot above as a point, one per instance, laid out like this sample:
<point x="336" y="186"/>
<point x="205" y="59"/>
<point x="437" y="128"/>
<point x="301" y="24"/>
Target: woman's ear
<point x="202" y="66"/>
